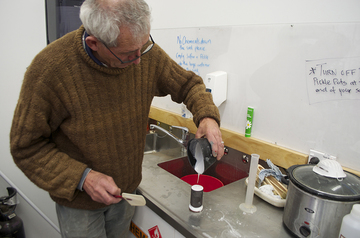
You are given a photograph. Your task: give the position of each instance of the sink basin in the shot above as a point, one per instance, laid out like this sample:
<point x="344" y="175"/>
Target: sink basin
<point x="156" y="142"/>
<point x="229" y="169"/>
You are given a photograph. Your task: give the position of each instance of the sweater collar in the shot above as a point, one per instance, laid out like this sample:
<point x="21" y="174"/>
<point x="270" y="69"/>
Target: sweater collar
<point x="79" y="47"/>
<point x="89" y="51"/>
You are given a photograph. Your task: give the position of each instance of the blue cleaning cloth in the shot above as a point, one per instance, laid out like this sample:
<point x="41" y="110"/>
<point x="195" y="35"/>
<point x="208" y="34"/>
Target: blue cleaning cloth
<point x="278" y="173"/>
<point x="273" y="171"/>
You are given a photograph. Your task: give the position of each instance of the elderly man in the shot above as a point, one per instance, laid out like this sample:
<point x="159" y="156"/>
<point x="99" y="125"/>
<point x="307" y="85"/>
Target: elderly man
<point x="79" y="126"/>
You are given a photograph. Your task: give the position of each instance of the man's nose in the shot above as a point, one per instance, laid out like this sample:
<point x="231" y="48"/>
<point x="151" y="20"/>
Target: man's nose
<point x="137" y="55"/>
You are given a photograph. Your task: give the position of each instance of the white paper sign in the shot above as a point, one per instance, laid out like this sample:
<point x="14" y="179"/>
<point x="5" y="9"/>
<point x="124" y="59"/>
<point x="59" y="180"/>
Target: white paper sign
<point x="333" y="79"/>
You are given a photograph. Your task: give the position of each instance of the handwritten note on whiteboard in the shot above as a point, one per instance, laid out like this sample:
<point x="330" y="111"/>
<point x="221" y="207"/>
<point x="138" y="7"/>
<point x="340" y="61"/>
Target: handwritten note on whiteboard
<point x="192" y="53"/>
<point x="333" y="79"/>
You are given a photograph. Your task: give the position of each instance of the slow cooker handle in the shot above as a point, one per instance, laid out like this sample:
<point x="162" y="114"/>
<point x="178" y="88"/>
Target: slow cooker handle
<point x="314" y="160"/>
<point x="285" y="179"/>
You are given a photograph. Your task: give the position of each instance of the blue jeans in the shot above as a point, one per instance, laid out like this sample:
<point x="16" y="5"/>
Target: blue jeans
<point x="109" y="222"/>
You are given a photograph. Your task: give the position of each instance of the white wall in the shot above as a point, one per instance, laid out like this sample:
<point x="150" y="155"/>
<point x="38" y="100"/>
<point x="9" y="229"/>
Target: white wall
<point x="200" y="13"/>
<point x="265" y="61"/>
<point x="23" y="36"/>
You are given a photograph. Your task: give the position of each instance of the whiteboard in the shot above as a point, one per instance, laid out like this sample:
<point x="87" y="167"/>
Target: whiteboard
<point x="268" y="68"/>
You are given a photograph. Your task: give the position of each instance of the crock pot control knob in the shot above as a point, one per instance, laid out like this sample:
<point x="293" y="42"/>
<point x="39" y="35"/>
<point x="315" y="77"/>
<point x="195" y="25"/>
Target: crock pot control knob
<point x="305" y="231"/>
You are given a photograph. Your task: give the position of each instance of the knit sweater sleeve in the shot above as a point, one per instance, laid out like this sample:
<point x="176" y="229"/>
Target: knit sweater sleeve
<point x="185" y="86"/>
<point x="37" y="117"/>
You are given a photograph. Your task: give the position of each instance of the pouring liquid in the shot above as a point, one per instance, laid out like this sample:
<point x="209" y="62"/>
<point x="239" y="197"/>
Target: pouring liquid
<point x="199" y="165"/>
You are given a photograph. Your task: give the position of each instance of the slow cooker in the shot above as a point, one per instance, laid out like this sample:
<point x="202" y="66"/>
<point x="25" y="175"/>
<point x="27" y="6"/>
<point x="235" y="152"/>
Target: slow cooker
<point x="315" y="204"/>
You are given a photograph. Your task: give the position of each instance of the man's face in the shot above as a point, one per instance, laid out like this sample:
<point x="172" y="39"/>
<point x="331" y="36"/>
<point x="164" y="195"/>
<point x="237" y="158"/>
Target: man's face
<point x="126" y="50"/>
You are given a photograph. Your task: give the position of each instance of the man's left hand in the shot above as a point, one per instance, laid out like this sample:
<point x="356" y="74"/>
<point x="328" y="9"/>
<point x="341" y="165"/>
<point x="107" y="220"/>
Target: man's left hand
<point x="209" y="128"/>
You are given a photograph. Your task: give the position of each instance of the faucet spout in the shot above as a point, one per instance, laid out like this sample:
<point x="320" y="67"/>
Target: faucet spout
<point x="185" y="134"/>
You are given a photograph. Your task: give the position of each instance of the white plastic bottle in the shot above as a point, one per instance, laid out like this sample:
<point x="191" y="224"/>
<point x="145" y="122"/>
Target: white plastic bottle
<point x="350" y="226"/>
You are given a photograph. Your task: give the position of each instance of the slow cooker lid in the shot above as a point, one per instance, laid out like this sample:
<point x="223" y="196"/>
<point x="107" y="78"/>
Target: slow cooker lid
<point x="346" y="188"/>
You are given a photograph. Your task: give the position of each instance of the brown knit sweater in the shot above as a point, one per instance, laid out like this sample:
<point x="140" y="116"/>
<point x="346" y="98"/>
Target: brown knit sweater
<point x="73" y="114"/>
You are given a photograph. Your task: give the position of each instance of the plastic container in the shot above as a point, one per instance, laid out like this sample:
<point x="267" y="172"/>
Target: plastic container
<point x="350" y="226"/>
<point x="249" y="121"/>
<point x="196" y="198"/>
<point x="268" y="198"/>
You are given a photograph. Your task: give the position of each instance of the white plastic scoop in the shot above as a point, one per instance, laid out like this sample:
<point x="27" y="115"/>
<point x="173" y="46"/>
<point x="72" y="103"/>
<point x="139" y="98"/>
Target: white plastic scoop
<point x="133" y="199"/>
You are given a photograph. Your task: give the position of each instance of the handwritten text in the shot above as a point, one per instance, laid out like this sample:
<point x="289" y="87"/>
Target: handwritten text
<point x="192" y="53"/>
<point x="333" y="79"/>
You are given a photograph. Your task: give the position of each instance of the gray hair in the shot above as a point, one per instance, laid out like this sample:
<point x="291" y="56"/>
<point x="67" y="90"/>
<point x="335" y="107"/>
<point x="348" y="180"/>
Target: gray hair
<point x="103" y="19"/>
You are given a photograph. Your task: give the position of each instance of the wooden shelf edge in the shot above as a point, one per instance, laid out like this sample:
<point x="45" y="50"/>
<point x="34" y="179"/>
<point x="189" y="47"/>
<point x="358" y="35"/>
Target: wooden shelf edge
<point x="278" y="155"/>
<point x="171" y="118"/>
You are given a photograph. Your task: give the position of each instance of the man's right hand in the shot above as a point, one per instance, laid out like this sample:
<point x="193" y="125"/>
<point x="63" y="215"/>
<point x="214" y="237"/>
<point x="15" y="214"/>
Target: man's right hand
<point x="101" y="188"/>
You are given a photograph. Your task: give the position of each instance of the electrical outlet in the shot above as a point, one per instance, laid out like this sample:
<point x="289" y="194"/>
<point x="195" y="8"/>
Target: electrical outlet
<point x="320" y="155"/>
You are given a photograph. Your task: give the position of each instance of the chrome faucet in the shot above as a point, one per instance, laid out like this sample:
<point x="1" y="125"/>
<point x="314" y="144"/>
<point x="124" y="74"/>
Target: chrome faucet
<point x="184" y="134"/>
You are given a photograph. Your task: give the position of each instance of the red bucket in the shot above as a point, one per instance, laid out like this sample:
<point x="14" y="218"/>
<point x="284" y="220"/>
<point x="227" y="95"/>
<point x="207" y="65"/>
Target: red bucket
<point x="209" y="183"/>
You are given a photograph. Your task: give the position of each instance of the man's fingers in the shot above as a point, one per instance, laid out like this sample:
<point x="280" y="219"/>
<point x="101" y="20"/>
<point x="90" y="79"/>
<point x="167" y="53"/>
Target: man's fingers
<point x="101" y="188"/>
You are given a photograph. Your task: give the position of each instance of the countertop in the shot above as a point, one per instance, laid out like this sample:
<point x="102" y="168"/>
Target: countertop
<point x="169" y="197"/>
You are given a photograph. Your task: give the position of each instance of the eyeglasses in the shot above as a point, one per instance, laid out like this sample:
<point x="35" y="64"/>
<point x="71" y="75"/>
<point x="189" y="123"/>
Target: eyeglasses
<point x="148" y="48"/>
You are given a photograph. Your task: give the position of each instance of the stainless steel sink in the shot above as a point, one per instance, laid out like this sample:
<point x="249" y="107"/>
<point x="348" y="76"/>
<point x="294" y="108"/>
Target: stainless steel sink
<point x="156" y="142"/>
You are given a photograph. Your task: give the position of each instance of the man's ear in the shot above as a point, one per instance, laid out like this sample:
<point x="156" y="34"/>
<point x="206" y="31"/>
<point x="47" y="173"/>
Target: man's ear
<point x="92" y="42"/>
